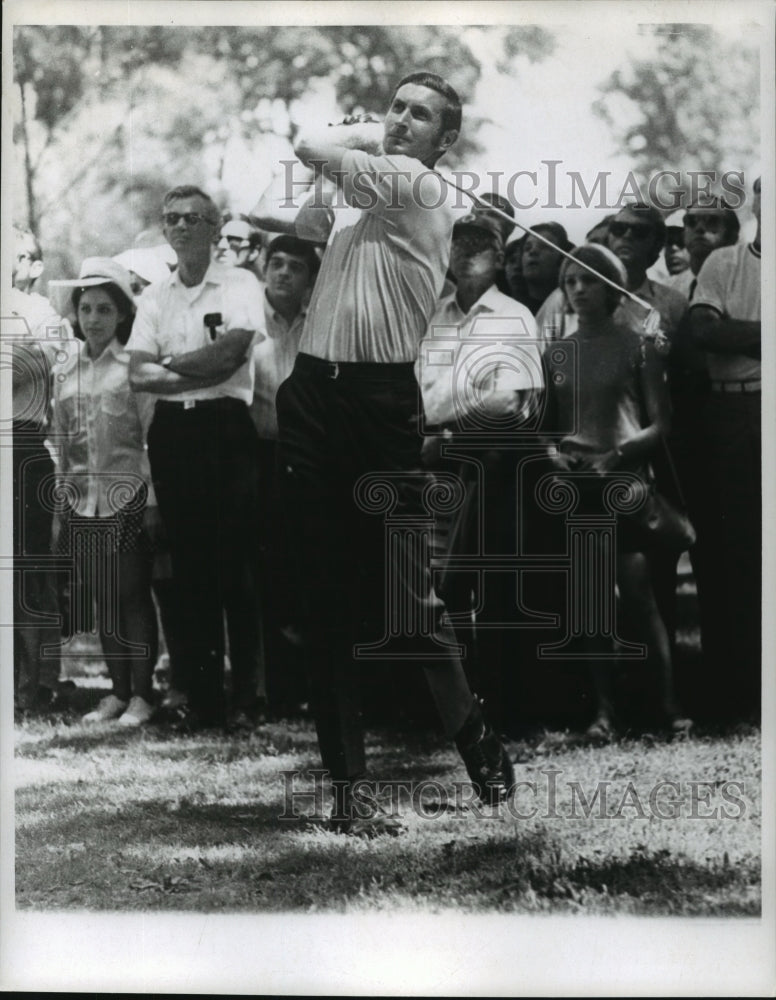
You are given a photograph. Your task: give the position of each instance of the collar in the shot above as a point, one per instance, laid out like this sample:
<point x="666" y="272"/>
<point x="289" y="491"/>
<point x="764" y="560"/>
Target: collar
<point x="489" y="301"/>
<point x="114" y="349"/>
<point x="214" y="275"/>
<point x="278" y="316"/>
<point x="646" y="287"/>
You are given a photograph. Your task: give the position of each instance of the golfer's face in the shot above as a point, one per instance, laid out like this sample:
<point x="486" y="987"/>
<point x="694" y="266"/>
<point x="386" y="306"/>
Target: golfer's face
<point x="413" y="125"/>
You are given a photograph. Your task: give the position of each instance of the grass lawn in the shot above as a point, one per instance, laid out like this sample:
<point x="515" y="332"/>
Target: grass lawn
<point x="152" y="821"/>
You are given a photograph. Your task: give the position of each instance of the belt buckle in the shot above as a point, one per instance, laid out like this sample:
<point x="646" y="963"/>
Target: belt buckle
<point x="336" y="371"/>
<point x="189" y="404"/>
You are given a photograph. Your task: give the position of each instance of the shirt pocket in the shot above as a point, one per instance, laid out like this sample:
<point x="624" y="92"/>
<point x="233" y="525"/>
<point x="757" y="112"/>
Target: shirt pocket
<point x="115" y="402"/>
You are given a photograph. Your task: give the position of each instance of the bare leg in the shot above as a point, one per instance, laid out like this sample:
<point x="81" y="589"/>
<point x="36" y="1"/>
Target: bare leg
<point x="138" y="618"/>
<point x="131" y="672"/>
<point x="601" y="673"/>
<point x="634" y="581"/>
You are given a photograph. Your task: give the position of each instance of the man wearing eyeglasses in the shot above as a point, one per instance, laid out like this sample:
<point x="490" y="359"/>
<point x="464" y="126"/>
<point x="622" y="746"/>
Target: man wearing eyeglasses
<point x="706" y="225"/>
<point x="636" y="235"/>
<point x="191" y="346"/>
<point x="725" y="322"/>
<point x="239" y="243"/>
<point x="675" y="256"/>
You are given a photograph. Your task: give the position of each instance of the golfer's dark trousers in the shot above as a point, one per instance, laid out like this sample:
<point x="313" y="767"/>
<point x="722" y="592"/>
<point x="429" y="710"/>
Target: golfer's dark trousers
<point x="203" y="464"/>
<point x="337" y="424"/>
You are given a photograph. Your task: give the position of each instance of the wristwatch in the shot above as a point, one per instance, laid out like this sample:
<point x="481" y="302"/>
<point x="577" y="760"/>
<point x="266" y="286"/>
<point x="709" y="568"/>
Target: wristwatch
<point x="166" y="361"/>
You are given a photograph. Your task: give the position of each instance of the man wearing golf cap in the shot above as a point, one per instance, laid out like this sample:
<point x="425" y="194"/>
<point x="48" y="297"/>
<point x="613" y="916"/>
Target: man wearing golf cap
<point x="480" y="372"/>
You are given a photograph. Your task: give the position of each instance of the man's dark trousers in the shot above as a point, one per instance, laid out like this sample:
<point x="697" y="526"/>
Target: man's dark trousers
<point x="203" y="463"/>
<point x="338" y="423"/>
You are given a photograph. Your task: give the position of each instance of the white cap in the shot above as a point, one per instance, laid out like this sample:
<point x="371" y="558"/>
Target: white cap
<point x="675" y="219"/>
<point x="149" y="263"/>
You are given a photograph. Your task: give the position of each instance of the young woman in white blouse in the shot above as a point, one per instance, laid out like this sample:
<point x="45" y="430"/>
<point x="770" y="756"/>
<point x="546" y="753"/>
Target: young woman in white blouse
<point x="108" y="512"/>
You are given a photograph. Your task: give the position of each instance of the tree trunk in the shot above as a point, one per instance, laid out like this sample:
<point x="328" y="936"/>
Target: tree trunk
<point x="29" y="173"/>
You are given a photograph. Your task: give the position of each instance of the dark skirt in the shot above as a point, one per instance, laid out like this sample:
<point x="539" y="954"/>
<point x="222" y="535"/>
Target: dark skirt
<point x="630" y="536"/>
<point x="89" y="542"/>
<point x="122" y="532"/>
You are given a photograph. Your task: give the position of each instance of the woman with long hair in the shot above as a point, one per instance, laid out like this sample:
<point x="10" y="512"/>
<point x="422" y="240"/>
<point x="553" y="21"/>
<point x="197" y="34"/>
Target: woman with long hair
<point x="107" y="508"/>
<point x="615" y="412"/>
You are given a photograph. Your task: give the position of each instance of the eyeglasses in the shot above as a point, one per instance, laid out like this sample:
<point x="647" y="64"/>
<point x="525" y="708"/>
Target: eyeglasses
<point x="708" y="221"/>
<point x="473" y="244"/>
<point x="641" y="230"/>
<point x="190" y="218"/>
<point x="235" y="242"/>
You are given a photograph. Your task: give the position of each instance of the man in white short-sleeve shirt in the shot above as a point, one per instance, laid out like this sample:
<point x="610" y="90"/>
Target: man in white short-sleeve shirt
<point x="479" y="367"/>
<point x="191" y="347"/>
<point x="350" y="410"/>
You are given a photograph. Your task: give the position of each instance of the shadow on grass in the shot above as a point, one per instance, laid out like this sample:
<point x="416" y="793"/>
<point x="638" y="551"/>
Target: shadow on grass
<point x="70" y="734"/>
<point x="237" y="858"/>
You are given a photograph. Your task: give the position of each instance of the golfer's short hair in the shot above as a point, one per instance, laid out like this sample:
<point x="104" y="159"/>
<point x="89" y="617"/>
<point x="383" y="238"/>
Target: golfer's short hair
<point x="451" y="113"/>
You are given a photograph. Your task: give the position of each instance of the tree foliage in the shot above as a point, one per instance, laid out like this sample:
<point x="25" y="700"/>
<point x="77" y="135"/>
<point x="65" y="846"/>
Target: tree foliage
<point x="694" y="105"/>
<point x="107" y="117"/>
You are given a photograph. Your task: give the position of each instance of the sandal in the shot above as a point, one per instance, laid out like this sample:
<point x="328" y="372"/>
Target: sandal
<point x="600" y="731"/>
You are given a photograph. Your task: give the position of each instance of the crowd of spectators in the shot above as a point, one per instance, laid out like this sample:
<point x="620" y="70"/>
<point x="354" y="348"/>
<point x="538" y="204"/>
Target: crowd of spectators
<point x="147" y="457"/>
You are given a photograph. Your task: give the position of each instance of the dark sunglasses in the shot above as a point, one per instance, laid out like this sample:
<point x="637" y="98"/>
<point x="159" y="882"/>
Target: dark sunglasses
<point x="190" y="218"/>
<point x="641" y="230"/>
<point x="710" y="221"/>
<point x="473" y="244"/>
<point x="235" y="242"/>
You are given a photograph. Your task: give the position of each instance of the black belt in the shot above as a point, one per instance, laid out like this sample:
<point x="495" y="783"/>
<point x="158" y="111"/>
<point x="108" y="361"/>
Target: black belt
<point x="366" y="370"/>
<point x="222" y="403"/>
<point x="745" y="385"/>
